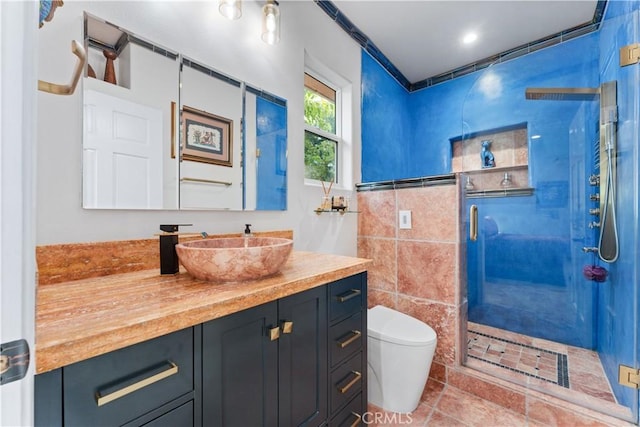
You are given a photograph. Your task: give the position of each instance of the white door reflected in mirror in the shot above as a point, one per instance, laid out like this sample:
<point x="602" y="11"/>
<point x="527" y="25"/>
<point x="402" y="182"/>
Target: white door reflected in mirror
<point x="122" y="158"/>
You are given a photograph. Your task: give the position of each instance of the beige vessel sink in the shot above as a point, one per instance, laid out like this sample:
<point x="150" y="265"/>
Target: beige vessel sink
<point x="234" y="259"/>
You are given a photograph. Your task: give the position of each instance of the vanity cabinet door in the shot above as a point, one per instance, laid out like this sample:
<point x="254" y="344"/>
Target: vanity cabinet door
<point x="303" y="358"/>
<point x="240" y="368"/>
<point x="267" y="366"/>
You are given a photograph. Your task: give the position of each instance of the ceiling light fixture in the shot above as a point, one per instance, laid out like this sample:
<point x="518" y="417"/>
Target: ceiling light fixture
<point x="231" y="9"/>
<point x="271" y="22"/>
<point x="469" y="38"/>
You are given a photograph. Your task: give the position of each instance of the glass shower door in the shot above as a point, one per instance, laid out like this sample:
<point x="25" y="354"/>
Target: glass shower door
<point x="523" y="275"/>
<point x="533" y="317"/>
<point x="531" y="285"/>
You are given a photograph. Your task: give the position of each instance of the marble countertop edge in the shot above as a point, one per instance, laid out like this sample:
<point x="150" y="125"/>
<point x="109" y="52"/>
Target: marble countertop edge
<point x="86" y="318"/>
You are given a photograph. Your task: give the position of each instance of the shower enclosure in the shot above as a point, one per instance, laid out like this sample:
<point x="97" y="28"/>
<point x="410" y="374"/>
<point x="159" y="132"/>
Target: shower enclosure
<point x="552" y="246"/>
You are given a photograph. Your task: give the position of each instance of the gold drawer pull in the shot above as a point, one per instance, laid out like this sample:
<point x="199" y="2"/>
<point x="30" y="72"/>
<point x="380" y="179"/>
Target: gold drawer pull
<point x="355" y="379"/>
<point x="355" y="335"/>
<point x="287" y="327"/>
<point x="352" y="293"/>
<point x="103" y="399"/>
<point x="357" y="420"/>
<point x="274" y="333"/>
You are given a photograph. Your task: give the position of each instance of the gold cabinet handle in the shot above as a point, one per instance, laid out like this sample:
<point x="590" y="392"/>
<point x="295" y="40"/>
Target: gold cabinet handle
<point x="274" y="333"/>
<point x="105" y="396"/>
<point x="356" y="377"/>
<point x="59" y="89"/>
<point x="355" y="334"/>
<point x="473" y="223"/>
<point x="357" y="420"/>
<point x="352" y="293"/>
<point x="287" y="327"/>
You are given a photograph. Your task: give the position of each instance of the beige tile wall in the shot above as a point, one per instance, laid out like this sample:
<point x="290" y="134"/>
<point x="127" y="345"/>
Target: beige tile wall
<point x="421" y="272"/>
<point x="415" y="271"/>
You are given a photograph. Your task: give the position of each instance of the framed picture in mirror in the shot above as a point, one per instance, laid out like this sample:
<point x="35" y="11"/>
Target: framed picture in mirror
<point x="207" y="138"/>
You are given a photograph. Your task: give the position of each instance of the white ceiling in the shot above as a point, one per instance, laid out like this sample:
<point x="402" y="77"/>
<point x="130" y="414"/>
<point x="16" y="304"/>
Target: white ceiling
<point x="423" y="38"/>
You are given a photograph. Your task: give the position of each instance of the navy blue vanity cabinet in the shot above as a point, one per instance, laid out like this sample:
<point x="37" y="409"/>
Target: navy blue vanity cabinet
<point x="299" y="360"/>
<point x="153" y="383"/>
<point x="348" y="350"/>
<point x="267" y="366"/>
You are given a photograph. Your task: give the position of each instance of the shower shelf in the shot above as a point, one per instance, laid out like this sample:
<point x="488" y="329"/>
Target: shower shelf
<point x="341" y="212"/>
<point x="500" y="192"/>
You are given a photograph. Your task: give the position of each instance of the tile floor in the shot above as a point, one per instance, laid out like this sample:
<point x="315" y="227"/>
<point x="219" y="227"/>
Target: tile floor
<point x="443" y="405"/>
<point x="448" y="406"/>
<point x="520" y="358"/>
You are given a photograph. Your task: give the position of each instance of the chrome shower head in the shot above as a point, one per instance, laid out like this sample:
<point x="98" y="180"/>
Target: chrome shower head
<point x="562" y="94"/>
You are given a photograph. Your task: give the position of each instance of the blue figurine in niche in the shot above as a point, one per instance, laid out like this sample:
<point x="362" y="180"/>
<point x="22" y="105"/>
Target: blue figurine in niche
<point x="486" y="155"/>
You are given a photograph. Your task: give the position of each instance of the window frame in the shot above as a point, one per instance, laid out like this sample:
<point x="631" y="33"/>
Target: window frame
<point x="337" y="137"/>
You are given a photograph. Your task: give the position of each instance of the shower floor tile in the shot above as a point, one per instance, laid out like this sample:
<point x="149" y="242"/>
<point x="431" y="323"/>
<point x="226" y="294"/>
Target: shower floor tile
<point x="546" y="364"/>
<point x="521" y="358"/>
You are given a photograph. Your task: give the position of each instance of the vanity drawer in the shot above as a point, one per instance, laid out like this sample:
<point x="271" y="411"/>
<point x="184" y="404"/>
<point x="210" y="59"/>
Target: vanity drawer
<point x="182" y="416"/>
<point x="346" y="338"/>
<point x="346" y="297"/>
<point x="122" y="385"/>
<point x="346" y="381"/>
<point x="351" y="415"/>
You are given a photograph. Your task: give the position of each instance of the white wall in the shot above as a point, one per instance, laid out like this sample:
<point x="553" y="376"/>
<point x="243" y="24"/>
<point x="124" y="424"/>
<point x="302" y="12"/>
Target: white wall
<point x="197" y="30"/>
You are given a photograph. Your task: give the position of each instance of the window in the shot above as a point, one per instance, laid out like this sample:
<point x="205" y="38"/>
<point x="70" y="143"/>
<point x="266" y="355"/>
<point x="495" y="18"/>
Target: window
<point x="322" y="126"/>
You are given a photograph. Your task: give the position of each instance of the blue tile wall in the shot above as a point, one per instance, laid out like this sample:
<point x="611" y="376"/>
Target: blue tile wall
<point x="525" y="272"/>
<point x="534" y="246"/>
<point x="386" y="124"/>
<point x="617" y="319"/>
<point x="533" y="242"/>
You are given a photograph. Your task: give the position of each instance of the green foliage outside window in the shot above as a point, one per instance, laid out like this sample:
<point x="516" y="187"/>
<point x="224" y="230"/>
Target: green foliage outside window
<point x="319" y="157"/>
<point x="319" y="152"/>
<point x="319" y="112"/>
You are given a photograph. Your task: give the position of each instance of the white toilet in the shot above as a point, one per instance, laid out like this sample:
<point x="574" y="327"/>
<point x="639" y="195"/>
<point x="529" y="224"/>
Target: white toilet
<point x="400" y="353"/>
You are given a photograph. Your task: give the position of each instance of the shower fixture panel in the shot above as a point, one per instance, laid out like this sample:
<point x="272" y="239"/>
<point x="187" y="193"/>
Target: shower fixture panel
<point x="608" y="240"/>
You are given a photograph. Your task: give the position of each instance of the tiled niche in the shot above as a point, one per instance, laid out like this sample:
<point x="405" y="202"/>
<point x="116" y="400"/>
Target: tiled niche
<point x="510" y="149"/>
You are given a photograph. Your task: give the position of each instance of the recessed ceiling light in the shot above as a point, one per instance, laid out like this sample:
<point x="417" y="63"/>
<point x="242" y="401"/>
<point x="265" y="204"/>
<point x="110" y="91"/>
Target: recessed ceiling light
<point x="469" y="38"/>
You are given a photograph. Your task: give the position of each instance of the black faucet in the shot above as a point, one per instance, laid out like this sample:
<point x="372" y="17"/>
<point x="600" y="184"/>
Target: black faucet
<point x="247" y="230"/>
<point x="168" y="256"/>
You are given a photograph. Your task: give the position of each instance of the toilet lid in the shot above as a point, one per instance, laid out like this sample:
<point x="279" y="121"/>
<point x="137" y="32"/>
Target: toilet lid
<point x="392" y="326"/>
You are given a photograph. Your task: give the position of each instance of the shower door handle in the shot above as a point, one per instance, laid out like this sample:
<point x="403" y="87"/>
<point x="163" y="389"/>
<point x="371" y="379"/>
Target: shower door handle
<point x="473" y="223"/>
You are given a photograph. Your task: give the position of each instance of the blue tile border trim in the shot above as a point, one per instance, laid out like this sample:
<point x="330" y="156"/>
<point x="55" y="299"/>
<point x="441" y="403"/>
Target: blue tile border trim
<point x="266" y="95"/>
<point x="427" y="181"/>
<point x="363" y="40"/>
<point x="210" y="72"/>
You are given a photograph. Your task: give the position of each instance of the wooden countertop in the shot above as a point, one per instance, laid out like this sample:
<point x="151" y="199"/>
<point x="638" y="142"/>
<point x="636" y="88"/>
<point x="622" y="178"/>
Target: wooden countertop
<point x="86" y="318"/>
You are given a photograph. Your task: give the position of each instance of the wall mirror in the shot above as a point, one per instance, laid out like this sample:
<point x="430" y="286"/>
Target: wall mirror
<point x="163" y="131"/>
